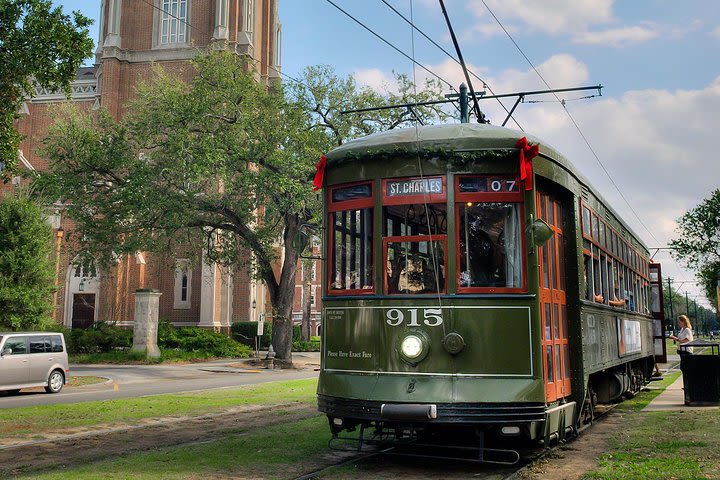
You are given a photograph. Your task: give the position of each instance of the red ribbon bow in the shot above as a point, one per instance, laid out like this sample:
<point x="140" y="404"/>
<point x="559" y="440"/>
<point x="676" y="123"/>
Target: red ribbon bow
<point x="527" y="153"/>
<point x="319" y="173"/>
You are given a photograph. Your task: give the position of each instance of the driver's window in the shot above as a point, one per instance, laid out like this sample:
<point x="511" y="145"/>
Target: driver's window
<point x="17" y="344"/>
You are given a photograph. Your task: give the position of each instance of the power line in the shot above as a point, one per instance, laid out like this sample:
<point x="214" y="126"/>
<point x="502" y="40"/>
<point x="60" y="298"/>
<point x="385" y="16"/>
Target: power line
<point x="380" y="37"/>
<point x="416" y="28"/>
<point x="572" y="119"/>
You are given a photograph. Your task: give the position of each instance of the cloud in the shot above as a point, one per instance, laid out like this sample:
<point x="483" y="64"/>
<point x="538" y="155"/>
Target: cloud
<point x="616" y="37"/>
<point x="375" y="79"/>
<point x="656" y="143"/>
<point x="716" y="32"/>
<point x="548" y="16"/>
<point x="645" y="139"/>
<point x="681" y="32"/>
<point x="485" y="30"/>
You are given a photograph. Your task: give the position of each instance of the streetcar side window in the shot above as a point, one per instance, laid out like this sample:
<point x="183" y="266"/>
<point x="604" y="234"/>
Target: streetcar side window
<point x="351" y="233"/>
<point x="586" y="221"/>
<point x="490" y="234"/>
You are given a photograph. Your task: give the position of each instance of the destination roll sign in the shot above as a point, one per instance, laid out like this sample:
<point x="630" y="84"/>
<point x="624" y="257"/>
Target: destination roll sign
<point x="414" y="186"/>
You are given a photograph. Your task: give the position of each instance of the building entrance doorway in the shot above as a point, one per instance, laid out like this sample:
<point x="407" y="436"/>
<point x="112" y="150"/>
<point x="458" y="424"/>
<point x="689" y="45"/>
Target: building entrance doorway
<point x="83" y="311"/>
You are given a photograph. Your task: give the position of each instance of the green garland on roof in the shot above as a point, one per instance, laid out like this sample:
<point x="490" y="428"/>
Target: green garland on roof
<point x="455" y="158"/>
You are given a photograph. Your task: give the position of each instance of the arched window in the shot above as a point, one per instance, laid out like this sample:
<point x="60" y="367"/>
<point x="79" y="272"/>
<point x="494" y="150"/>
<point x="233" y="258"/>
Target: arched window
<point x="183" y="284"/>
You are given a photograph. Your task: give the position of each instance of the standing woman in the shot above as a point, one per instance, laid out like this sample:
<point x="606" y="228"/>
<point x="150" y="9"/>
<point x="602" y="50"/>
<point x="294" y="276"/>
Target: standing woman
<point x="685" y="335"/>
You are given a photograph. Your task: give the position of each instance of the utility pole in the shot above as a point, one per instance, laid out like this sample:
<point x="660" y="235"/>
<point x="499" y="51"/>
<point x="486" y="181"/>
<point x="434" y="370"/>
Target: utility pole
<point x="672" y="314"/>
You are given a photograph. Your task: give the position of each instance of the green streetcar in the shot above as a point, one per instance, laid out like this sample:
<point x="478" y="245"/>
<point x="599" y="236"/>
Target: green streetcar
<point x="458" y="296"/>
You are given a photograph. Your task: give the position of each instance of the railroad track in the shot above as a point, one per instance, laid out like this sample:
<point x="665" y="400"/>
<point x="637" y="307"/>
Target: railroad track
<point x="528" y="458"/>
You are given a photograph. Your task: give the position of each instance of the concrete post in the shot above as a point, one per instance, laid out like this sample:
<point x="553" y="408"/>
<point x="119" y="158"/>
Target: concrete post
<point x="147" y="308"/>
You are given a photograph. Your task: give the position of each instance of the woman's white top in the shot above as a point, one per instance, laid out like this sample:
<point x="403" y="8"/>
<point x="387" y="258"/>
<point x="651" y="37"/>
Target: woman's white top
<point x="686" y="333"/>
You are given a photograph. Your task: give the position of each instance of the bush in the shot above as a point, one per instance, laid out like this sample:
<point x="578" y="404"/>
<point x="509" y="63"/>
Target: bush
<point x="100" y="338"/>
<point x="201" y="341"/>
<point x="311" y="346"/>
<point x="245" y="333"/>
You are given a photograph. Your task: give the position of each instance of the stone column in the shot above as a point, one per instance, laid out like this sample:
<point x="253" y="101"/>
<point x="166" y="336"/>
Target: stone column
<point x="112" y="36"/>
<point x="222" y="17"/>
<point x="209" y="294"/>
<point x="147" y="308"/>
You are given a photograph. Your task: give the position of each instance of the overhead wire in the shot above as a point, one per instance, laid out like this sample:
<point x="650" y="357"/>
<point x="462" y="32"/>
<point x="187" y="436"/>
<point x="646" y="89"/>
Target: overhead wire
<point x="391" y="45"/>
<point x="427" y="37"/>
<point x="572" y="119"/>
<point x="432" y="247"/>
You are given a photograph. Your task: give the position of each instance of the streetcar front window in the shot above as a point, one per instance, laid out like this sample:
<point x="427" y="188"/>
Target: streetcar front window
<point x="415" y="267"/>
<point x="490" y="245"/>
<point x="352" y="250"/>
<point x="415" y="250"/>
<point x="490" y="237"/>
<point x="350" y="269"/>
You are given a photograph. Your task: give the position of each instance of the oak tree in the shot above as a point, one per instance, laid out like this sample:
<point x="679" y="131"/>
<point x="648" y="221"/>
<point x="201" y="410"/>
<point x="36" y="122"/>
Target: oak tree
<point x="222" y="162"/>
<point x="39" y="46"/>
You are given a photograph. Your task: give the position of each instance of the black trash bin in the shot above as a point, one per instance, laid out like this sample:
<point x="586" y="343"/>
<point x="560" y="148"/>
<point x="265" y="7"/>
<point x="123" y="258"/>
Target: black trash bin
<point x="701" y="373"/>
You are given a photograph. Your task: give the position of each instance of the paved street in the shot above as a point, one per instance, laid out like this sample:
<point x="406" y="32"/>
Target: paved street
<point x="139" y="380"/>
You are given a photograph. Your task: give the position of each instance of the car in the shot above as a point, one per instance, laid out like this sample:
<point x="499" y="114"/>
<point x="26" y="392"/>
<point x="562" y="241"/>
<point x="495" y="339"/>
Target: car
<point x="33" y="359"/>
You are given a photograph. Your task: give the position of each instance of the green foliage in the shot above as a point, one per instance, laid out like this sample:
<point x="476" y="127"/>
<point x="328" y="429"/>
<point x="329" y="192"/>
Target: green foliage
<point x="311" y="346"/>
<point x="246" y="332"/>
<point x="200" y="340"/>
<point x="100" y="338"/>
<point x="676" y="303"/>
<point x="38" y="44"/>
<point x="26" y="269"/>
<point x="699" y="242"/>
<point x="192" y="164"/>
<point x="325" y="95"/>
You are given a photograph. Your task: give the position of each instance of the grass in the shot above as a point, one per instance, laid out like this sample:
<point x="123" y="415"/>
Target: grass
<point x="279" y="451"/>
<point x="664" y="445"/>
<point x="79" y="381"/>
<point x="46" y="418"/>
<point x="679" y="445"/>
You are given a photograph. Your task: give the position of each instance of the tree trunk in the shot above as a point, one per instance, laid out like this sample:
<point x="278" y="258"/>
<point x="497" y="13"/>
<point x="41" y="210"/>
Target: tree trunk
<point x="282" y="334"/>
<point x="282" y="293"/>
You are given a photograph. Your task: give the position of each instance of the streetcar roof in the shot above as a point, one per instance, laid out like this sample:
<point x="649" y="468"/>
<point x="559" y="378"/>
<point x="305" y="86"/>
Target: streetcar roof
<point x="458" y="137"/>
<point x="453" y="136"/>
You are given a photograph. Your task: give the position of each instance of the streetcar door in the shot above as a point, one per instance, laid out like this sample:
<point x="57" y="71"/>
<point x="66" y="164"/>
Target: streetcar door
<point x="553" y="303"/>
<point x="656" y="308"/>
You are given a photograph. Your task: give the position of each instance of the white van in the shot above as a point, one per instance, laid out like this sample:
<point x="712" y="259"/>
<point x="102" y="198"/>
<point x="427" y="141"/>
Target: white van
<point x="33" y="360"/>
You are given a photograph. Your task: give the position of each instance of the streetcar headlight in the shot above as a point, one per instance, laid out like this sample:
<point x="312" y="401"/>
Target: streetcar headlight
<point x="411" y="346"/>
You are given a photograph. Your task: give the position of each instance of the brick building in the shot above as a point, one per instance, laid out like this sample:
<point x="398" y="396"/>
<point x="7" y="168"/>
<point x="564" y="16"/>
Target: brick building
<point x="134" y="35"/>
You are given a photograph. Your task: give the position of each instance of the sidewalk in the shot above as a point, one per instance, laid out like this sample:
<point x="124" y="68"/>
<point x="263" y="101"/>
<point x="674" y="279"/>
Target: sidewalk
<point x="673" y="398"/>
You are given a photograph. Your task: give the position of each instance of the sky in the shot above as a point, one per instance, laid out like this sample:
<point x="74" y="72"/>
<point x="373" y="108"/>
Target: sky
<point x="653" y="129"/>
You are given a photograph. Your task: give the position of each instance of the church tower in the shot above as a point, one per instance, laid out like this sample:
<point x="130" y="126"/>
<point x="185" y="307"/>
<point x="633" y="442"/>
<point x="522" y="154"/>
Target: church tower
<point x="135" y="35"/>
